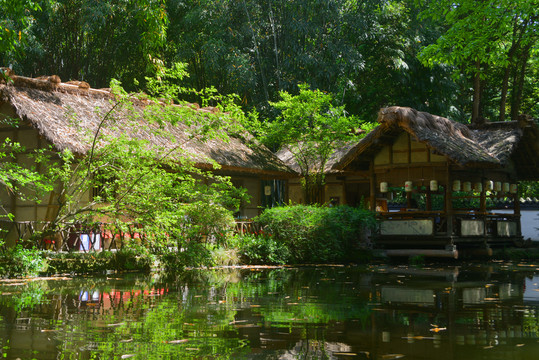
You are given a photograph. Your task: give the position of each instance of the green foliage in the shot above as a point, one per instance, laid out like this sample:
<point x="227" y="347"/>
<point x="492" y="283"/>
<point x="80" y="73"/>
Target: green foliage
<point x="26" y="182"/>
<point x="225" y="256"/>
<point x="488" y="42"/>
<point x="529" y="189"/>
<point x="261" y="249"/>
<point x="192" y="254"/>
<point x="14" y="22"/>
<point x="315" y="234"/>
<point x="311" y="128"/>
<point x="19" y="262"/>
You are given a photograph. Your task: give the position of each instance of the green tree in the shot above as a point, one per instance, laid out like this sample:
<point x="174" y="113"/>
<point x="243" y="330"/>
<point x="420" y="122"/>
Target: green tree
<point x="95" y="41"/>
<point x="485" y="41"/>
<point x="311" y="128"/>
<point x="15" y="19"/>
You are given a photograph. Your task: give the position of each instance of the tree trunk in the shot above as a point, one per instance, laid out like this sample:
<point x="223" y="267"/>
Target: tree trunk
<point x="519" y="82"/>
<point x="510" y="58"/>
<point x="476" y="106"/>
<point x="503" y="100"/>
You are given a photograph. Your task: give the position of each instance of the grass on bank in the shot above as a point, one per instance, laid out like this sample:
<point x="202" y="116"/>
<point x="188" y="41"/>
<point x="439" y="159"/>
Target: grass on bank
<point x="298" y="234"/>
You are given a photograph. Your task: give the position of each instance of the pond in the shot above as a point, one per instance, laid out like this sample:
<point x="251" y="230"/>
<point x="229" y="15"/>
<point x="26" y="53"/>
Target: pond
<point x="374" y="312"/>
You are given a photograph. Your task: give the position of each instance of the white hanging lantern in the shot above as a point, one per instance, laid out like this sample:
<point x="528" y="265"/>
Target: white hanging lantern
<point x="498" y="186"/>
<point x="267" y="190"/>
<point x="456" y="185"/>
<point x="433" y="185"/>
<point x="467" y="186"/>
<point x="513" y="188"/>
<point x="505" y="187"/>
<point x="489" y="185"/>
<point x="408" y="185"/>
<point x="383" y="187"/>
<point x="478" y="186"/>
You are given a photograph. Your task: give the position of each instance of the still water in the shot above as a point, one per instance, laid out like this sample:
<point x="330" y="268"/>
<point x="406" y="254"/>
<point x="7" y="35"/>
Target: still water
<point x="376" y="312"/>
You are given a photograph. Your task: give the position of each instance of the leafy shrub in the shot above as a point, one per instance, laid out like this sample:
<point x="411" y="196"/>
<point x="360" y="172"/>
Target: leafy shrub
<point x="317" y="234"/>
<point x="261" y="248"/>
<point x="222" y="256"/>
<point x="18" y="261"/>
<point x="192" y="254"/>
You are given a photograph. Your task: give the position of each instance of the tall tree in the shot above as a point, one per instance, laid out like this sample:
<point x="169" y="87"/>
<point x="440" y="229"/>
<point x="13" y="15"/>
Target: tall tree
<point x="311" y="128"/>
<point x="15" y="18"/>
<point x="481" y="37"/>
<point x="95" y="41"/>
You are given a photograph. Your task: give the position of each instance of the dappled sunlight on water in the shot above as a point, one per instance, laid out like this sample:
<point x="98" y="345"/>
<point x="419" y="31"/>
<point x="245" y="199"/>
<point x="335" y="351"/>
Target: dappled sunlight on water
<point x="374" y="312"/>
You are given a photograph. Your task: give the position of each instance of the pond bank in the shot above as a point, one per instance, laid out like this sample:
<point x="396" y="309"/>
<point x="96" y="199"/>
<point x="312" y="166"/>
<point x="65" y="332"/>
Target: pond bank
<point x="24" y="263"/>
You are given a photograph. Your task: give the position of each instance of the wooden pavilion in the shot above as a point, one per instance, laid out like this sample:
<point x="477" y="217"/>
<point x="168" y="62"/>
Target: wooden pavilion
<point x="452" y="170"/>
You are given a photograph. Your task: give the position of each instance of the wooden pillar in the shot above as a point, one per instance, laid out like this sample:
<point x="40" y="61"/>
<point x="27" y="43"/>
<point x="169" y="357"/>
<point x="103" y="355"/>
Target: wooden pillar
<point x="448" y="201"/>
<point x="483" y="200"/>
<point x="429" y="199"/>
<point x="372" y="192"/>
<point x="516" y="210"/>
<point x="483" y="210"/>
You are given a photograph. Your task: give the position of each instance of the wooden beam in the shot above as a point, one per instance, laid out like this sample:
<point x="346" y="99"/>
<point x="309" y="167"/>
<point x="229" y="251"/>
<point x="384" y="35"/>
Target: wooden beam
<point x="372" y="187"/>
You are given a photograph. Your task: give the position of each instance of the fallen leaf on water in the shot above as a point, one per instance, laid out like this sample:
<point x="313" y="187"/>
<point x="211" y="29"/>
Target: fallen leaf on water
<point x="392" y="356"/>
<point x="418" y="338"/>
<point x="437" y="329"/>
<point x="118" y="324"/>
<point x="520" y="345"/>
<point x="488" y="347"/>
<point x="182" y="341"/>
<point x="344" y="354"/>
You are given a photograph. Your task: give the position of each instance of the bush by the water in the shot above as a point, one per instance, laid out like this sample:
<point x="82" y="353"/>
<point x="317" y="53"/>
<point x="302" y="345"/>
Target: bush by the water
<point x="18" y="261"/>
<point x="261" y="248"/>
<point x="309" y="234"/>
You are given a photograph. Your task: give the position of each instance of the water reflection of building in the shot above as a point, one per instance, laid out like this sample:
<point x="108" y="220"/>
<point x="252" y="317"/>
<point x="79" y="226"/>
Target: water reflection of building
<point x="45" y="331"/>
<point x="459" y="319"/>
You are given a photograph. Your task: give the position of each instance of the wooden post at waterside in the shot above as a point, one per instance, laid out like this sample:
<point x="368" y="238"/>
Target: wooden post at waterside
<point x="483" y="201"/>
<point x="429" y="200"/>
<point x="516" y="207"/>
<point x="483" y="209"/>
<point x="372" y="198"/>
<point x="448" y="202"/>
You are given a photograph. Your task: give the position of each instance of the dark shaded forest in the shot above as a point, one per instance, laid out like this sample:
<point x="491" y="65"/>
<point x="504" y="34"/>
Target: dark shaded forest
<point x="468" y="60"/>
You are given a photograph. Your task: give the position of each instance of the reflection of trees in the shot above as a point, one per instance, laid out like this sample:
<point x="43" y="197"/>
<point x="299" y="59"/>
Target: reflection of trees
<point x="310" y="313"/>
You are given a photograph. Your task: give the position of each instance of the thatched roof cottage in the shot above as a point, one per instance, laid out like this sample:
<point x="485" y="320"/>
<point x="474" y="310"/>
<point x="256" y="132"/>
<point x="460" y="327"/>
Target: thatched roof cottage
<point x="454" y="170"/>
<point x="64" y="114"/>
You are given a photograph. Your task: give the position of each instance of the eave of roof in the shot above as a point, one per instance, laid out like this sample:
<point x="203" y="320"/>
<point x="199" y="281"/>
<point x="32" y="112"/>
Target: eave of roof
<point x="66" y="113"/>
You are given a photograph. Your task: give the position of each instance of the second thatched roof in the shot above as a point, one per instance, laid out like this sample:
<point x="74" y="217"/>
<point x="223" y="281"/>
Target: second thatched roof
<point x="491" y="144"/>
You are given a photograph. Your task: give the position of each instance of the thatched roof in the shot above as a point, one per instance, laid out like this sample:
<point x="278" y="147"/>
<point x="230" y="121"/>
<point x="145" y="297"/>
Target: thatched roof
<point x="288" y="157"/>
<point x="68" y="114"/>
<point x="492" y="144"/>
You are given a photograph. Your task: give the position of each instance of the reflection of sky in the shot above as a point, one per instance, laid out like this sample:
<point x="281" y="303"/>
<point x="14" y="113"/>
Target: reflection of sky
<point x="531" y="294"/>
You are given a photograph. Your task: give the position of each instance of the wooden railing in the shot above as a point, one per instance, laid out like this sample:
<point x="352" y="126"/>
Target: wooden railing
<point x="82" y="237"/>
<point x="469" y="225"/>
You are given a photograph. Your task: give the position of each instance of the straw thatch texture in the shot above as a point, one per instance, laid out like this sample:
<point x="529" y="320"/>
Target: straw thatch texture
<point x="68" y="115"/>
<point x="488" y="146"/>
<point x="287" y="156"/>
<point x="516" y="141"/>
